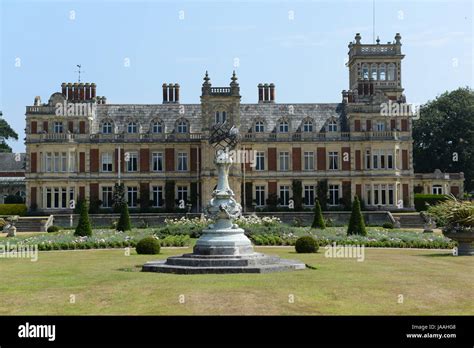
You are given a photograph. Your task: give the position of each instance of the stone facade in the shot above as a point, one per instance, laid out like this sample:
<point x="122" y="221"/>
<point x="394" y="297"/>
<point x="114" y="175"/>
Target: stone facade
<point x="84" y="147"/>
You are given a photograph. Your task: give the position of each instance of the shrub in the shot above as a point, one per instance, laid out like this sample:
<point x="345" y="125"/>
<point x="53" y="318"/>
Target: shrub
<point x="318" y="221"/>
<point x="423" y="201"/>
<point x="148" y="245"/>
<point x="124" y="220"/>
<point x="388" y="225"/>
<point x="13" y="209"/>
<point x="2" y="223"/>
<point x="356" y="222"/>
<point x="53" y="229"/>
<point x="306" y="244"/>
<point x="84" y="225"/>
<point x="14" y="199"/>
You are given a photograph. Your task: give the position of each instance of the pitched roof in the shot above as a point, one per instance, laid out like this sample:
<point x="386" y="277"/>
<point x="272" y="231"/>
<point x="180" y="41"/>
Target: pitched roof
<point x="8" y="162"/>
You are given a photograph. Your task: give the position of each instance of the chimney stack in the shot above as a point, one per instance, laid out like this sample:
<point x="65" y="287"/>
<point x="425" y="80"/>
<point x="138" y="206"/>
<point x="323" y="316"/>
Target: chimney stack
<point x="93" y="86"/>
<point x="88" y="90"/>
<point x="64" y="89"/>
<point x="69" y="91"/>
<point x="81" y="91"/>
<point x="76" y="91"/>
<point x="170" y="93"/>
<point x="266" y="93"/>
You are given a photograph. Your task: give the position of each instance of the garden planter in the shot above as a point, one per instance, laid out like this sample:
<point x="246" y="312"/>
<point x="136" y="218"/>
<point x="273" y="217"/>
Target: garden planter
<point x="465" y="241"/>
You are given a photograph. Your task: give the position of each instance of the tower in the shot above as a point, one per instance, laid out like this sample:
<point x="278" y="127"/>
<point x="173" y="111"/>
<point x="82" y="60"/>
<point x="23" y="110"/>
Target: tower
<point x="220" y="104"/>
<point x="375" y="67"/>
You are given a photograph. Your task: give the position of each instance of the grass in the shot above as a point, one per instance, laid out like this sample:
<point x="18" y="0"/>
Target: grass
<point x="107" y="282"/>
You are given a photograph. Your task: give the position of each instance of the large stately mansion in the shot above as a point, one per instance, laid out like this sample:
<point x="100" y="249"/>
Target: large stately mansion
<point x="80" y="146"/>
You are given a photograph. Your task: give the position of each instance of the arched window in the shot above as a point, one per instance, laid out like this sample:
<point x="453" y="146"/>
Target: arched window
<point x="132" y="128"/>
<point x="391" y="72"/>
<point x="182" y="126"/>
<point x="365" y="72"/>
<point x="283" y="127"/>
<point x="259" y="127"/>
<point x="106" y="128"/>
<point x="373" y="71"/>
<point x="332" y="126"/>
<point x="308" y="126"/>
<point x="382" y="72"/>
<point x="157" y="127"/>
<point x="221" y="117"/>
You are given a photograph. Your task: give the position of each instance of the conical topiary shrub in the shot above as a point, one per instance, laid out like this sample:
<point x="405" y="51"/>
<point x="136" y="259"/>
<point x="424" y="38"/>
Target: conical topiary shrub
<point x="356" y="222"/>
<point x="124" y="221"/>
<point x="318" y="221"/>
<point x="84" y="225"/>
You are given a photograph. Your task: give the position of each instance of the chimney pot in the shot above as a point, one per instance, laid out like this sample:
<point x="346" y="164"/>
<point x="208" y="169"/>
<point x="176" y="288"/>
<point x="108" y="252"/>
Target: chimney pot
<point x="165" y="93"/>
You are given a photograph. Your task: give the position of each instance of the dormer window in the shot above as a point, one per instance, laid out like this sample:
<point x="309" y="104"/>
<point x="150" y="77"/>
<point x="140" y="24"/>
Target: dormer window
<point x="157" y="128"/>
<point x="132" y="128"/>
<point x="106" y="128"/>
<point x="283" y="127"/>
<point x="58" y="127"/>
<point x="307" y="126"/>
<point x="259" y="127"/>
<point x="182" y="127"/>
<point x="332" y="126"/>
<point x="220" y="117"/>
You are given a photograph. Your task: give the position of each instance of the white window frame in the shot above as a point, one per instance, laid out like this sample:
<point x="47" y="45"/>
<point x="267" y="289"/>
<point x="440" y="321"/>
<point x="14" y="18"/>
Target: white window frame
<point x="182" y="161"/>
<point x="107" y="162"/>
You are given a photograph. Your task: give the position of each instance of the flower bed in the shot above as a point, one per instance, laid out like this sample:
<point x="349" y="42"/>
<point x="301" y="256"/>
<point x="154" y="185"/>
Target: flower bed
<point x="65" y="240"/>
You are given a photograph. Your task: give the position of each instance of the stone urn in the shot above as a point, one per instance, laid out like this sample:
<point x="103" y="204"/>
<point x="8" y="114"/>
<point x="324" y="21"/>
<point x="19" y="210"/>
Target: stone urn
<point x="464" y="236"/>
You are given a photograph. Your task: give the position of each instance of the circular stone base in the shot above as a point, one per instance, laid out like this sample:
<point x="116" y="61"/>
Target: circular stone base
<point x="205" y="264"/>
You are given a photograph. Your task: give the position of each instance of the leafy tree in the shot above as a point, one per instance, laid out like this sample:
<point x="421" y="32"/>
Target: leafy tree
<point x="444" y="135"/>
<point x="318" y="221"/>
<point x="6" y="132"/>
<point x="118" y="197"/>
<point x="297" y="194"/>
<point x="322" y="193"/>
<point x="84" y="225"/>
<point x="356" y="222"/>
<point x="124" y="223"/>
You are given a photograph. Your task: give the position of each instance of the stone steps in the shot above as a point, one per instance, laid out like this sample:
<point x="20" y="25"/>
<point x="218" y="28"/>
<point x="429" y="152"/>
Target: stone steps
<point x="197" y="265"/>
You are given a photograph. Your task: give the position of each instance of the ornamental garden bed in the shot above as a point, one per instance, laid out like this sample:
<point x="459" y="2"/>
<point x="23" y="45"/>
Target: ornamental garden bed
<point x="184" y="234"/>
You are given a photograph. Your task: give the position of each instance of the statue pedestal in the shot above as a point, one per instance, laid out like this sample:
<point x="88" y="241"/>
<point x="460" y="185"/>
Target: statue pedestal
<point x="223" y="246"/>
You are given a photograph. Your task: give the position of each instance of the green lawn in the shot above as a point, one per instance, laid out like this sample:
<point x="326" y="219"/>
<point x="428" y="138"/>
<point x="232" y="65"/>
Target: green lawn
<point x="108" y="282"/>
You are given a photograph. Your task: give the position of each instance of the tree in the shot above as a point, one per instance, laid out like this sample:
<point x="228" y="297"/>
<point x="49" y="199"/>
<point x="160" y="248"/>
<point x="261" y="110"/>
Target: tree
<point x="84" y="225"/>
<point x="6" y="132"/>
<point x="444" y="135"/>
<point x="318" y="221"/>
<point x="297" y="194"/>
<point x="356" y="222"/>
<point x="124" y="220"/>
<point x="322" y="193"/>
<point x="118" y="197"/>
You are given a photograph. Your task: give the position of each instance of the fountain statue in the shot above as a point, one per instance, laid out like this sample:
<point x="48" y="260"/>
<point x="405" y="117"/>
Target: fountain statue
<point x="223" y="246"/>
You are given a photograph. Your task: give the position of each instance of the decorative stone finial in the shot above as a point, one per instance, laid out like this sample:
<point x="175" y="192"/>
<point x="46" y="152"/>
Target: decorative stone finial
<point x="378" y="40"/>
<point x="398" y="37"/>
<point x="358" y="38"/>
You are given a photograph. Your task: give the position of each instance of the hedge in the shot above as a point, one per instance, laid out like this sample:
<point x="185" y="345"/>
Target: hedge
<point x="421" y="200"/>
<point x="13" y="209"/>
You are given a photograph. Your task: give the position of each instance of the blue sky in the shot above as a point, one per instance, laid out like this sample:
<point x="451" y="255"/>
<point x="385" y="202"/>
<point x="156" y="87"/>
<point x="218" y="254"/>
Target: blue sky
<point x="176" y="41"/>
